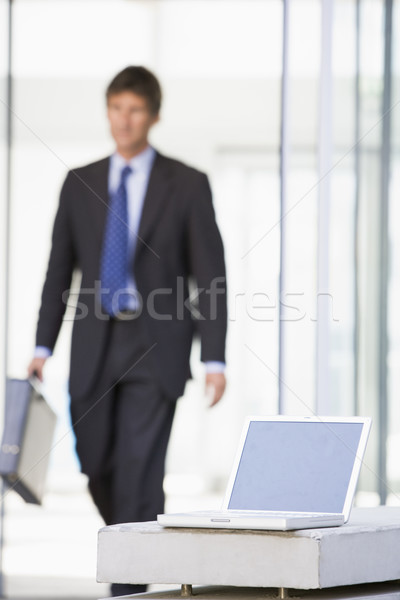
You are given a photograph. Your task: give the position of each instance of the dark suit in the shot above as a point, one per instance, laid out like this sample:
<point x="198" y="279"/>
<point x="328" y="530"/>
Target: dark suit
<point x="178" y="239"/>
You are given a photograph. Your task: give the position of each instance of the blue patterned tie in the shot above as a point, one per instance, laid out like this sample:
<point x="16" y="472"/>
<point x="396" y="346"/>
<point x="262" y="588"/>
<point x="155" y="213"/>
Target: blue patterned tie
<point x="114" y="260"/>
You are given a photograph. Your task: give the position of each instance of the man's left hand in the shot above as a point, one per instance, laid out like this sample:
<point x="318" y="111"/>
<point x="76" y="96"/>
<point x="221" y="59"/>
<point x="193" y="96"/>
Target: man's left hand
<point x="216" y="382"/>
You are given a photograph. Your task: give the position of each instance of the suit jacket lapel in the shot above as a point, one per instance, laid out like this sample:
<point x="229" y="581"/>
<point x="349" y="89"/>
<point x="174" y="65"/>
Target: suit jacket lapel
<point x="154" y="202"/>
<point x="98" y="186"/>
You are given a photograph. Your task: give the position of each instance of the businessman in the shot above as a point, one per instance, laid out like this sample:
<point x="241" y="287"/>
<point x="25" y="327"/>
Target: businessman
<point x="141" y="230"/>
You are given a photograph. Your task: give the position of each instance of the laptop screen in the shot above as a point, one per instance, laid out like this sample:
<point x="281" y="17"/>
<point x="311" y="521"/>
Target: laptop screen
<point x="296" y="466"/>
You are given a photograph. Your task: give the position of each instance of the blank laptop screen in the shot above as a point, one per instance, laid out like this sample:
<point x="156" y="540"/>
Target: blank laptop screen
<point x="295" y="466"/>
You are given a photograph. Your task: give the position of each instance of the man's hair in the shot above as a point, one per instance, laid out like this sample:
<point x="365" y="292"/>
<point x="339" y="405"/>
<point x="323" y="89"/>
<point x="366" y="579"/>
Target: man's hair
<point x="140" y="81"/>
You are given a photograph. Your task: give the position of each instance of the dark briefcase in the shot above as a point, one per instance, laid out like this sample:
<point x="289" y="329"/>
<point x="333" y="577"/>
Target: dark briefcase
<point x="27" y="438"/>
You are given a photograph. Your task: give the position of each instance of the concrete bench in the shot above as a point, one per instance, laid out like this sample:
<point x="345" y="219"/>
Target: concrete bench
<point x="365" y="550"/>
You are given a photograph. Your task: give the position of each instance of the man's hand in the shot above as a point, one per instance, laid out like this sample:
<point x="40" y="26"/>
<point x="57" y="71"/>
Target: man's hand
<point x="216" y="382"/>
<point x="35" y="367"/>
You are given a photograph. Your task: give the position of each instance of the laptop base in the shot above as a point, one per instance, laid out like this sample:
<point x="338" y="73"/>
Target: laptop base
<point x="230" y="520"/>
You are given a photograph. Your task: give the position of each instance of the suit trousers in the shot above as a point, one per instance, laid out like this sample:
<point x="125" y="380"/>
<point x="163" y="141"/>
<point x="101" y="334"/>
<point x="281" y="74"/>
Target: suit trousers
<point x="122" y="429"/>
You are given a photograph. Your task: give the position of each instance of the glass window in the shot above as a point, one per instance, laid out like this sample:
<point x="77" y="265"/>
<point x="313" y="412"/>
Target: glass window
<point x="221" y="113"/>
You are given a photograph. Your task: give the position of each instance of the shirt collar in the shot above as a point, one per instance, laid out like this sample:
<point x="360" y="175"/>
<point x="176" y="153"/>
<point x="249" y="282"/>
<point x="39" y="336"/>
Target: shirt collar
<point x="140" y="163"/>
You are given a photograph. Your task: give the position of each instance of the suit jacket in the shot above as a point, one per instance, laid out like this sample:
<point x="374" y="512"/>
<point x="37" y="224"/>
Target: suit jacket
<point x="178" y="240"/>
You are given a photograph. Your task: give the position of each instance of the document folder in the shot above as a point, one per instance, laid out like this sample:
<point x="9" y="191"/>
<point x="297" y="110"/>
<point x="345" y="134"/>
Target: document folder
<point x="27" y="437"/>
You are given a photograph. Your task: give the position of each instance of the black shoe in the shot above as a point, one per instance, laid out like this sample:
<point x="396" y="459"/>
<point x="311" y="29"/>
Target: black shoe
<point x="125" y="589"/>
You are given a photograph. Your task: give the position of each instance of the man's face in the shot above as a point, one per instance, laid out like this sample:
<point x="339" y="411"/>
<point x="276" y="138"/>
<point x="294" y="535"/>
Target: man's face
<point x="130" y="122"/>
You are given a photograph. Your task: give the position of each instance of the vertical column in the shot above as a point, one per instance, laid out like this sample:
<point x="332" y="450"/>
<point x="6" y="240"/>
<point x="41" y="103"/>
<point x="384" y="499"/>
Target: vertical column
<point x="357" y="174"/>
<point x="372" y="264"/>
<point x="324" y="198"/>
<point x="5" y="214"/>
<point x="284" y="156"/>
<point x="383" y="253"/>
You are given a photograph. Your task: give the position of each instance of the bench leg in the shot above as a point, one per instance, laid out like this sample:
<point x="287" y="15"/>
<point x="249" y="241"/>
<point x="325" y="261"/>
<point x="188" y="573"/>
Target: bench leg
<point x="186" y="590"/>
<point x="283" y="593"/>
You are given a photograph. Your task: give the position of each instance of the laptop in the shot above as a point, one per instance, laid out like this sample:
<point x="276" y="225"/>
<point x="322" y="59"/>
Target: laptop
<point x="289" y="473"/>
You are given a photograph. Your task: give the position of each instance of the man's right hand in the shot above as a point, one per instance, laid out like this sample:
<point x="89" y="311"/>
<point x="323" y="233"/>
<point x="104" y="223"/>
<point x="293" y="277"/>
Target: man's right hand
<point x="35" y="367"/>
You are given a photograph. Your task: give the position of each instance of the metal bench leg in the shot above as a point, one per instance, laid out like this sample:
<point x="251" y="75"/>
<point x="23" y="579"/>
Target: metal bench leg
<point x="186" y="590"/>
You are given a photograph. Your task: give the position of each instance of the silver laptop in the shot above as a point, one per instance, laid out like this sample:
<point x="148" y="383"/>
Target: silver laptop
<point x="289" y="473"/>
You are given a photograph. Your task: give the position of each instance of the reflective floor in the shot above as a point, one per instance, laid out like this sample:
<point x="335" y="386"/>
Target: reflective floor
<point x="51" y="551"/>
